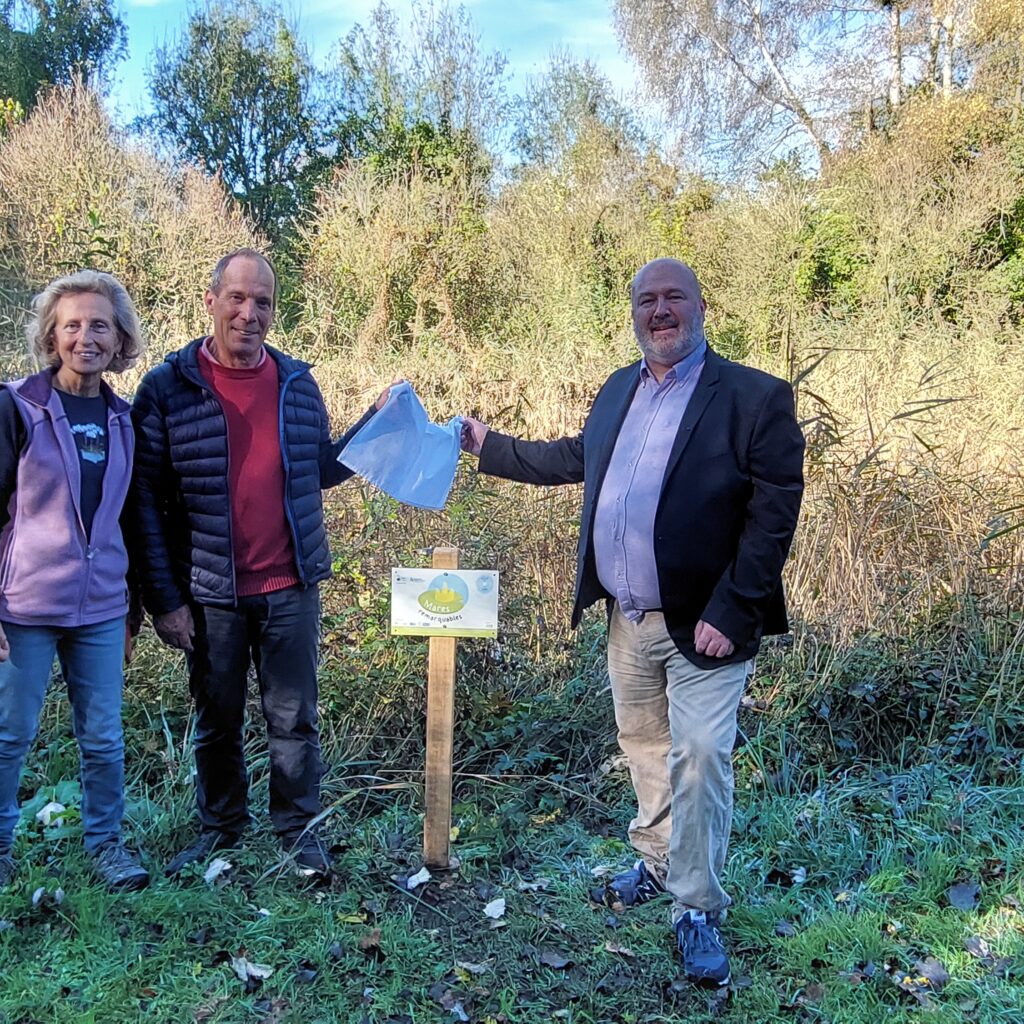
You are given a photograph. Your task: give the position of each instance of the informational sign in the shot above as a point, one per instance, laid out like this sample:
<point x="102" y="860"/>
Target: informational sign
<point x="444" y="602"/>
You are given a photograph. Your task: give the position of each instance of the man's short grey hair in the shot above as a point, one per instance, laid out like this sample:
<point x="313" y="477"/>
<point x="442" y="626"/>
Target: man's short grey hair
<point x="42" y="345"/>
<point x="217" y="277"/>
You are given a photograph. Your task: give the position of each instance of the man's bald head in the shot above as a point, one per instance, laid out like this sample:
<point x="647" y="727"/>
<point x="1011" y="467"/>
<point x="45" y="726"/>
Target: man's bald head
<point x="669" y="265"/>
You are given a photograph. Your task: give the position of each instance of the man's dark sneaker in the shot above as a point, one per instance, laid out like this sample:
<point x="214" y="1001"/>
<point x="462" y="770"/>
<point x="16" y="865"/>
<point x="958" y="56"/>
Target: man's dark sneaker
<point x="8" y="869"/>
<point x="209" y="841"/>
<point x="630" y="888"/>
<point x="701" y="950"/>
<point x="311" y="856"/>
<point x="118" y="867"/>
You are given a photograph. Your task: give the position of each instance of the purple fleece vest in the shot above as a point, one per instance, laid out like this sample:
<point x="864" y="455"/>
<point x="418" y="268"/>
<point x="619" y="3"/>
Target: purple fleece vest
<point x="50" y="575"/>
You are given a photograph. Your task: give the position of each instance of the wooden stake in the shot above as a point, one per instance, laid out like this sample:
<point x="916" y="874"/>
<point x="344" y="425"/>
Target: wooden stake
<point x="437" y="825"/>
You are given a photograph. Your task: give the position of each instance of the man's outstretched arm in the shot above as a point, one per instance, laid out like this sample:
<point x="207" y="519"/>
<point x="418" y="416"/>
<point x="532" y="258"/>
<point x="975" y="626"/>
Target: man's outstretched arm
<point x="528" y="462"/>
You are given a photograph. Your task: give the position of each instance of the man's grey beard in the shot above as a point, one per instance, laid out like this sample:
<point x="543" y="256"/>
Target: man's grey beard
<point x="686" y="344"/>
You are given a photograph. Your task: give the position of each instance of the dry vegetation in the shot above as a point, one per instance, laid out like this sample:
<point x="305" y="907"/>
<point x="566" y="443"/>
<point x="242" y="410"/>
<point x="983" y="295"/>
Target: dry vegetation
<point x="890" y="290"/>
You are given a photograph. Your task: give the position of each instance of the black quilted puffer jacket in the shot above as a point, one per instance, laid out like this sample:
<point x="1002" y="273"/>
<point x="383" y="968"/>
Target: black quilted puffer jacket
<point x="179" y="517"/>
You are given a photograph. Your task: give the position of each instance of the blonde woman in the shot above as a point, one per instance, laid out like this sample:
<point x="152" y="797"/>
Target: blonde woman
<point x="66" y="446"/>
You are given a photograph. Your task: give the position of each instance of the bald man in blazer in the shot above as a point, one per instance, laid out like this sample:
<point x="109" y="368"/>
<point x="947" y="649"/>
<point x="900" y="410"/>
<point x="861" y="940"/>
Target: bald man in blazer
<point x="692" y="472"/>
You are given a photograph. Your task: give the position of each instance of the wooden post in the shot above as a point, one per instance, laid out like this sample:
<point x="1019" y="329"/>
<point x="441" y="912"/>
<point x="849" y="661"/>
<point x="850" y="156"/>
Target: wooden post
<point x="437" y="825"/>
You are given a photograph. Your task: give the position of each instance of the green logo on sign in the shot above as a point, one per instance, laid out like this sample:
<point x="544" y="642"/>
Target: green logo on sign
<point x="446" y="595"/>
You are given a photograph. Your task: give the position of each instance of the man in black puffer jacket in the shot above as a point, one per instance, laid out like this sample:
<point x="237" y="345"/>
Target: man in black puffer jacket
<point x="232" y="451"/>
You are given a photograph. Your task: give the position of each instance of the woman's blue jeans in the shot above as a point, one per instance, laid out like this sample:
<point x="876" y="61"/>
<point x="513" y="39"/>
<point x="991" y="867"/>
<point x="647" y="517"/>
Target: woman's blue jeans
<point x="91" y="658"/>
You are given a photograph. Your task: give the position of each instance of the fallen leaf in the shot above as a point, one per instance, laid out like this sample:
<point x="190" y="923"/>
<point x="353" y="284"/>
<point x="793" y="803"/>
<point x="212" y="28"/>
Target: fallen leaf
<point x="614" y="947"/>
<point x="248" y="972"/>
<point x="274" y="1010"/>
<point x="218" y="866"/>
<point x="928" y="977"/>
<point x="49" y="813"/>
<point x="978" y="947"/>
<point x="799" y="876"/>
<point x="933" y="972"/>
<point x="814" y="993"/>
<point x="718" y="1001"/>
<point x="785" y="929"/>
<point x="207" y="1010"/>
<point x="616" y="981"/>
<point x="541" y="883"/>
<point x="495" y="909"/>
<point x="552" y="958"/>
<point x="370" y="942"/>
<point x="472" y="968"/>
<point x="963" y="895"/>
<point x="1001" y="967"/>
<point x="601" y="871"/>
<point x="420" y="878"/>
<point x="862" y="972"/>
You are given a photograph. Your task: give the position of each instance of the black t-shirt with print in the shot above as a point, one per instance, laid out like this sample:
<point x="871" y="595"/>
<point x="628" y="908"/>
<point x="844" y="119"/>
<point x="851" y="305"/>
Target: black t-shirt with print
<point x="88" y="420"/>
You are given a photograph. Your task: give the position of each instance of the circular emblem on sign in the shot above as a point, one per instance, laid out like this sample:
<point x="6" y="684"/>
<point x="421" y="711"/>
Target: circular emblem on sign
<point x="446" y="595"/>
<point x="484" y="584"/>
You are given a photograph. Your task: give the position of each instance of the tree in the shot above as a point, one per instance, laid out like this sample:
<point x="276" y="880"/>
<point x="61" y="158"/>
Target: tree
<point x="569" y="100"/>
<point x="237" y="94"/>
<point x="438" y="106"/>
<point x="53" y="42"/>
<point x="738" y="67"/>
<point x="996" y="36"/>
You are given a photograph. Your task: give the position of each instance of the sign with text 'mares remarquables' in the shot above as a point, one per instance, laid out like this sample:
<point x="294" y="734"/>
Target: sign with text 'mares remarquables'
<point x="444" y="602"/>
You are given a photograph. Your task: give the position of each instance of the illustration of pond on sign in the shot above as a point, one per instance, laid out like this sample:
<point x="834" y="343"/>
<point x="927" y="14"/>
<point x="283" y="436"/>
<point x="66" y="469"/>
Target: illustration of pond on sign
<point x="446" y="595"/>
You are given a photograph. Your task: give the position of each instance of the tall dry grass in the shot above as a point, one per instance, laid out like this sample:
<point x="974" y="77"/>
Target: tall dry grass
<point x="910" y="379"/>
<point x="883" y="291"/>
<point x="75" y="193"/>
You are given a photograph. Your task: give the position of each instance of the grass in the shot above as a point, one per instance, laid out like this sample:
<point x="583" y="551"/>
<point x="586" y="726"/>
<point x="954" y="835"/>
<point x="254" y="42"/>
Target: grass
<point x="854" y="864"/>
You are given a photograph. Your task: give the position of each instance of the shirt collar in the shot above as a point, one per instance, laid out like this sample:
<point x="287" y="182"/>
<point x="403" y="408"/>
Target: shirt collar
<point x="213" y="359"/>
<point x="677" y="374"/>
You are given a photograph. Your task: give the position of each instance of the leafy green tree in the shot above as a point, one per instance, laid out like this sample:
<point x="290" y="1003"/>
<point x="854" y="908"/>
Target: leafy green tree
<point x="53" y="42"/>
<point x="237" y="94"/>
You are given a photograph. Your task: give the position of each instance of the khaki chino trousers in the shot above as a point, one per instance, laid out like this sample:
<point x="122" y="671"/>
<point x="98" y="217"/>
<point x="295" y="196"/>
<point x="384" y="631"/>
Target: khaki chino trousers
<point x="677" y="727"/>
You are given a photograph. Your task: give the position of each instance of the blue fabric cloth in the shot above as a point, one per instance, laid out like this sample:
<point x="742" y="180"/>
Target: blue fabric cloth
<point x="91" y="658"/>
<point x="400" y="451"/>
<point x="628" y="502"/>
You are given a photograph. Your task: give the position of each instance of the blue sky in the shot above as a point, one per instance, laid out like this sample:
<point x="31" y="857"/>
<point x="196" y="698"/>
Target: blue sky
<point x="525" y="31"/>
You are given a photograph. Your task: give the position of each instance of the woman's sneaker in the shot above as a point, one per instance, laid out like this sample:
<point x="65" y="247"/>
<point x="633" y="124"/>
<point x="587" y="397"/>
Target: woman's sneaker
<point x="701" y="949"/>
<point x="119" y="868"/>
<point x="630" y="888"/>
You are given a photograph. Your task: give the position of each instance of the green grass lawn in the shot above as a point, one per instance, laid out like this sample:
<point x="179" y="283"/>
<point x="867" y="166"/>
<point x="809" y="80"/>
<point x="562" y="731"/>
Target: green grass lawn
<point x="840" y="891"/>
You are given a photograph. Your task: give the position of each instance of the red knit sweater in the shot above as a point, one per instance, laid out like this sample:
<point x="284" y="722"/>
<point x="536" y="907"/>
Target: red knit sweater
<point x="261" y="540"/>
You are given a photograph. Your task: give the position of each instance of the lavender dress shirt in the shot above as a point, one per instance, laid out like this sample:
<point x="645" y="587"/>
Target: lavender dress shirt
<point x="628" y="501"/>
